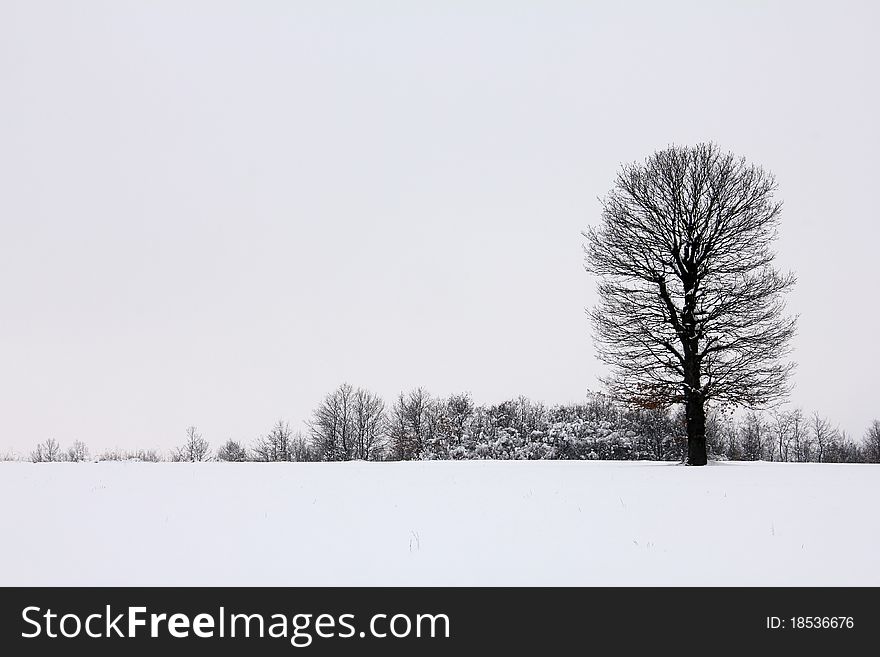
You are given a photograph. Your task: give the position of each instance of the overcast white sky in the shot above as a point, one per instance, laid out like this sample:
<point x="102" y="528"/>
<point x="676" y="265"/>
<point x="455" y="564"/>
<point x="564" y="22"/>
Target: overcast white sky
<point x="214" y="212"/>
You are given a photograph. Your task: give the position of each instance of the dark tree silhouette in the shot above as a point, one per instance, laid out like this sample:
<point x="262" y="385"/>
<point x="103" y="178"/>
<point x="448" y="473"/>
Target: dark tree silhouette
<point x="195" y="448"/>
<point x="410" y="424"/>
<point x="47" y="452"/>
<point x="369" y="425"/>
<point x="77" y="452"/>
<point x="332" y="425"/>
<point x="348" y="424"/>
<point x="276" y="445"/>
<point x="872" y="443"/>
<point x="232" y="451"/>
<point x="691" y="308"/>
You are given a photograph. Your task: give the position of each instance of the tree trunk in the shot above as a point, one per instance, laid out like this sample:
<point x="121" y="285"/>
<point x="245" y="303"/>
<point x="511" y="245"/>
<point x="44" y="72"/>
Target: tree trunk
<point x="696" y="430"/>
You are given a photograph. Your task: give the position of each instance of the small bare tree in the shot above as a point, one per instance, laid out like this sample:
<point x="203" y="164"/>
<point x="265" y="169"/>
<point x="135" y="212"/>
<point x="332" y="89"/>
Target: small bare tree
<point x="691" y="308"/>
<point x="752" y="437"/>
<point x="333" y="425"/>
<point x="782" y="433"/>
<point x="872" y="443"/>
<point x="47" y="452"/>
<point x="369" y="425"/>
<point x="77" y="452"/>
<point x="276" y="445"/>
<point x="800" y="438"/>
<point x="232" y="451"/>
<point x="410" y="424"/>
<point x="823" y="435"/>
<point x="194" y="449"/>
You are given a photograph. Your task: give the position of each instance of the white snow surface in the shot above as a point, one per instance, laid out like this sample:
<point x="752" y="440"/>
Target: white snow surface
<point x="439" y="523"/>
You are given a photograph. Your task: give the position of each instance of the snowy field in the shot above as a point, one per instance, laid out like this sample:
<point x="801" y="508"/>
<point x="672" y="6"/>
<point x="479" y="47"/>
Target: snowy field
<point x="439" y="523"/>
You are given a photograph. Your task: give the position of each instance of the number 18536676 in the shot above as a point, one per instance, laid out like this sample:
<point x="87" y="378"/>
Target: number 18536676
<point x="810" y="623"/>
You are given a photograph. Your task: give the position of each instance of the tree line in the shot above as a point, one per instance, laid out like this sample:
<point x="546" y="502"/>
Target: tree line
<point x="355" y="424"/>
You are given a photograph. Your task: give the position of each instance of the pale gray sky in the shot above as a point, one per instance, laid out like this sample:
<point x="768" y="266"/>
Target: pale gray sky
<point x="214" y="212"/>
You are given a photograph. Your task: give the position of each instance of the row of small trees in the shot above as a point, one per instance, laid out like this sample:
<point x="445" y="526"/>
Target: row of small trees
<point x="791" y="436"/>
<point x="49" y="451"/>
<point x="354" y="424"/>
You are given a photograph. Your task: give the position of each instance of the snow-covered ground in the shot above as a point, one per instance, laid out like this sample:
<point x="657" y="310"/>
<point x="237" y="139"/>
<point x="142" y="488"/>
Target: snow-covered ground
<point x="439" y="523"/>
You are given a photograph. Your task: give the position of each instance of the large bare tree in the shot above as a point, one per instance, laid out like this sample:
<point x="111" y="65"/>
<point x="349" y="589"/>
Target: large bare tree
<point x="691" y="307"/>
